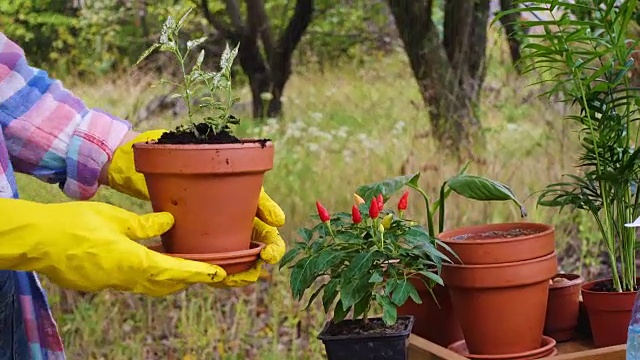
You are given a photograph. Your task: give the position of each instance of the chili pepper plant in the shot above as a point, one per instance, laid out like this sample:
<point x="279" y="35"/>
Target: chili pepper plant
<point x="365" y="258"/>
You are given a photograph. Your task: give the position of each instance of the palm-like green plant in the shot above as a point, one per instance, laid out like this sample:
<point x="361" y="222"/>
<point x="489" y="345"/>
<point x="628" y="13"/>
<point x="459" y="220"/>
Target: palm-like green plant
<point x="584" y="55"/>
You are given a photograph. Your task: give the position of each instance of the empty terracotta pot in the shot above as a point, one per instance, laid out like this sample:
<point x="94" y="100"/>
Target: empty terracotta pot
<point x="609" y="313"/>
<point x="501" y="307"/>
<point x="211" y="190"/>
<point x="433" y="321"/>
<point x="563" y="307"/>
<point x="499" y="243"/>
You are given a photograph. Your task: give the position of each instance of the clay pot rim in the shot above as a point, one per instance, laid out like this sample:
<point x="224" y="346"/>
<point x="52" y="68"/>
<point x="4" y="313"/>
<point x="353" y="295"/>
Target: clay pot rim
<point x="547" y="344"/>
<point x="472" y="229"/>
<point x="254" y="249"/>
<point x="244" y="144"/>
<point x="576" y="280"/>
<point x="589" y="284"/>
<point x="502" y="265"/>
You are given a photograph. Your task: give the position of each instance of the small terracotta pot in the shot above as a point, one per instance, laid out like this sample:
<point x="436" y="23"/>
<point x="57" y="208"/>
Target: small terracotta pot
<point x="501" y="307"/>
<point x="433" y="321"/>
<point x="609" y="313"/>
<point x="499" y="243"/>
<point x="563" y="307"/>
<point x="211" y="190"/>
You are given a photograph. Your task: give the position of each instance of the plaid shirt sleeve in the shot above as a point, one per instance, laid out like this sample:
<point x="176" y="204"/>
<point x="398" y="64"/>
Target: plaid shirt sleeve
<point x="50" y="133"/>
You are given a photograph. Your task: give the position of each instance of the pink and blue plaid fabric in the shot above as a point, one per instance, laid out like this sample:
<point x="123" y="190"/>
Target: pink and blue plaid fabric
<point x="47" y="132"/>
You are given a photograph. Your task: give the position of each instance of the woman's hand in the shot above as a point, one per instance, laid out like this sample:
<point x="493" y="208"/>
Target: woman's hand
<point x="90" y="246"/>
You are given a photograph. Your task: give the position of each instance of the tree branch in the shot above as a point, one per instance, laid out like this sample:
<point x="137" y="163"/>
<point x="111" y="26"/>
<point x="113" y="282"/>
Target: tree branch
<point x="511" y="29"/>
<point x="259" y="24"/>
<point x="233" y="9"/>
<point x="217" y="24"/>
<point x="290" y="38"/>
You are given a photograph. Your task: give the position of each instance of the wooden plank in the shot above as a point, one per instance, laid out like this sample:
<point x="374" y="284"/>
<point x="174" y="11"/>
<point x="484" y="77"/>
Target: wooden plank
<point x="570" y="347"/>
<point x="617" y="352"/>
<point x="421" y="349"/>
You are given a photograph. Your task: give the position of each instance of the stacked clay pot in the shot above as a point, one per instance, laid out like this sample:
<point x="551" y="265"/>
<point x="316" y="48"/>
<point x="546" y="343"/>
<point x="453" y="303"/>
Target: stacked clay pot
<point x="499" y="287"/>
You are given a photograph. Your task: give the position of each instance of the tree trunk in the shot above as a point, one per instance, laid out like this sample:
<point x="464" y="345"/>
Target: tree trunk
<point x="267" y="73"/>
<point x="449" y="72"/>
<point x="511" y="29"/>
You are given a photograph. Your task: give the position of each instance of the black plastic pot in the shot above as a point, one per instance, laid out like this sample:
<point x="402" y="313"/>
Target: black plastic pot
<point x="389" y="346"/>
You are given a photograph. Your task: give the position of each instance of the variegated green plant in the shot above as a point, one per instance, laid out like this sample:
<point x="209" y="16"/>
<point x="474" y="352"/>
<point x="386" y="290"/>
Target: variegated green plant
<point x="197" y="79"/>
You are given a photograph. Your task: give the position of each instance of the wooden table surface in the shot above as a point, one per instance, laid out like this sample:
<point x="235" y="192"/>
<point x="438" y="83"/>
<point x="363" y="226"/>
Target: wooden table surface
<point x="421" y="349"/>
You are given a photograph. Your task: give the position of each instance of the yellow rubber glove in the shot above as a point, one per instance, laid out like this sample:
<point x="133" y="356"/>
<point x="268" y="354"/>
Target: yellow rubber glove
<point x="90" y="246"/>
<point x="124" y="178"/>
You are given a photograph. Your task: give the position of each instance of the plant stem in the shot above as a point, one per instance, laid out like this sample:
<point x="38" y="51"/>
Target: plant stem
<point x="610" y="234"/>
<point x="365" y="316"/>
<point x="428" y="207"/>
<point x="187" y="83"/>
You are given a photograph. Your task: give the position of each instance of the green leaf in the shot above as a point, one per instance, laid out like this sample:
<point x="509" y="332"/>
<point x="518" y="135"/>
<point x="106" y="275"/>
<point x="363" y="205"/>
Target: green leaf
<point x="352" y="291"/>
<point x="483" y="189"/>
<point x="183" y="18"/>
<point x="200" y="59"/>
<point x="375" y="278"/>
<point x="146" y="53"/>
<point x="362" y="306"/>
<point x="387" y="187"/>
<point x="415" y="296"/>
<point x="228" y="55"/>
<point x="306" y="234"/>
<point x="340" y="312"/>
<point x="391" y="285"/>
<point x="314" y="295"/>
<point x="302" y="277"/>
<point x="434" y="277"/>
<point x="193" y="43"/>
<point x="330" y="293"/>
<point x="402" y="291"/>
<point x="389" y="311"/>
<point x="327" y="258"/>
<point x="360" y="265"/>
<point x="290" y="255"/>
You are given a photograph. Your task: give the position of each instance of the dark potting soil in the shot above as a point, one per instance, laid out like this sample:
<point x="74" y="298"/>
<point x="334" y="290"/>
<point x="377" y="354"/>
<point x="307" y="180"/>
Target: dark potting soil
<point x="186" y="135"/>
<point x="497" y="234"/>
<point x="607" y="286"/>
<point x="373" y="326"/>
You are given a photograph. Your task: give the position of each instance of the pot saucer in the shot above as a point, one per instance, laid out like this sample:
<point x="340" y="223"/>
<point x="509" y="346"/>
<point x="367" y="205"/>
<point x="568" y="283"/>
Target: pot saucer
<point x="232" y="262"/>
<point x="547" y="348"/>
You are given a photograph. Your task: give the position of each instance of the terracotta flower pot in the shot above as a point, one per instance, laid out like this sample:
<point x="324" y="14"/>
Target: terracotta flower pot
<point x="433" y="321"/>
<point x="499" y="243"/>
<point x="563" y="307"/>
<point x="609" y="312"/>
<point x="211" y="190"/>
<point x="501" y="307"/>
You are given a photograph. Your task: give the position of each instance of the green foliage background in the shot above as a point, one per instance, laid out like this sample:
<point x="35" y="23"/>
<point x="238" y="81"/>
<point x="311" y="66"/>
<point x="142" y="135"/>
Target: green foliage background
<point x="104" y="36"/>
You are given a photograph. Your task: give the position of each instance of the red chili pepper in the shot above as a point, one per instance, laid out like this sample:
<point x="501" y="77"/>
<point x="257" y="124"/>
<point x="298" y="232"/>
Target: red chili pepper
<point x="403" y="202"/>
<point x="374" y="210"/>
<point x="380" y="202"/>
<point x="355" y="214"/>
<point x="322" y="212"/>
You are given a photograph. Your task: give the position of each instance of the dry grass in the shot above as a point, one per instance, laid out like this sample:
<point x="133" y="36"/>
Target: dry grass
<point x="346" y="127"/>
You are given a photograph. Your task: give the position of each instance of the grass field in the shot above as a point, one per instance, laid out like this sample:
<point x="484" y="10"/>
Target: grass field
<point x="346" y="127"/>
